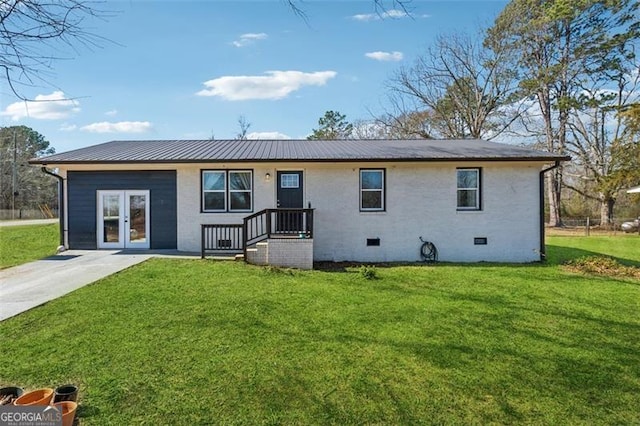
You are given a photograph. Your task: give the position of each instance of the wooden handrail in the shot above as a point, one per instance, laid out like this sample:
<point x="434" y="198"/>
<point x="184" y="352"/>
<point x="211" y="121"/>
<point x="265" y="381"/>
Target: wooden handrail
<point x="277" y="223"/>
<point x="259" y="226"/>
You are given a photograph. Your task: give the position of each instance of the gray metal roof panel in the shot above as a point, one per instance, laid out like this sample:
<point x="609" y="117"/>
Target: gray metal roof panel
<point x="172" y="151"/>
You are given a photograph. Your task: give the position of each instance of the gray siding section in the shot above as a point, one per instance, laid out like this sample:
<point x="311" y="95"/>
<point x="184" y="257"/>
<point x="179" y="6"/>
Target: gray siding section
<point x="82" y="215"/>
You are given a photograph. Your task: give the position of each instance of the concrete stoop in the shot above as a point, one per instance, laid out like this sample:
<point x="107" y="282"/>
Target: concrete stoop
<point x="285" y="253"/>
<point x="258" y="253"/>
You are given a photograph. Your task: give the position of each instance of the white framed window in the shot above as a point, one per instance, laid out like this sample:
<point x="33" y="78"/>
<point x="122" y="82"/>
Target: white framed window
<point x="372" y="189"/>
<point x="227" y="191"/>
<point x="289" y="180"/>
<point x="214" y="189"/>
<point x="240" y="188"/>
<point x="468" y="188"/>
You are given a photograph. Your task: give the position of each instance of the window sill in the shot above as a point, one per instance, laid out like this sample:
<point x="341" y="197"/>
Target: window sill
<point x="373" y="212"/>
<point x="469" y="210"/>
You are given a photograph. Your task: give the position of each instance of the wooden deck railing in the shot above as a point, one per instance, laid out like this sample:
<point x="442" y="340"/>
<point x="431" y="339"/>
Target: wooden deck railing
<point x="222" y="238"/>
<point x="268" y="223"/>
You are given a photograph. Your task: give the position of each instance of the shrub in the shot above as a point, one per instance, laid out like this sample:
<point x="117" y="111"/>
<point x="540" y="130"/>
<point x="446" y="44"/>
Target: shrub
<point x="368" y="272"/>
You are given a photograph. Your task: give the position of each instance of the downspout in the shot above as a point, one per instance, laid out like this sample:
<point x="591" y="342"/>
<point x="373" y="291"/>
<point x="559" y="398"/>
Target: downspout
<point x="60" y="201"/>
<point x="543" y="250"/>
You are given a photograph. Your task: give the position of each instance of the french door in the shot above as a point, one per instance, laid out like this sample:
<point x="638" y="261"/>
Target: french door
<point x="123" y="219"/>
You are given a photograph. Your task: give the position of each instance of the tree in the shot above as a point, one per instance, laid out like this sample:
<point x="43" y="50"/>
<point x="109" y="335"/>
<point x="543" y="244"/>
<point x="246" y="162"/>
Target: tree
<point x="554" y="45"/>
<point x="596" y="137"/>
<point x="32" y="31"/>
<point x="332" y="125"/>
<point x="22" y="185"/>
<point x="459" y="87"/>
<point x="243" y="128"/>
<point x="406" y="125"/>
<point x="629" y="149"/>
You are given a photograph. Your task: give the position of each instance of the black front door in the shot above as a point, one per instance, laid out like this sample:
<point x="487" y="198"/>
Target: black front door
<point x="290" y="190"/>
<point x="290" y="196"/>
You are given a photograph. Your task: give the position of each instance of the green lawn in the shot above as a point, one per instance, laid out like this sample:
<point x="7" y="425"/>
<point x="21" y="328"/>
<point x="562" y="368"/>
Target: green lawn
<point x="22" y="244"/>
<point x="193" y="342"/>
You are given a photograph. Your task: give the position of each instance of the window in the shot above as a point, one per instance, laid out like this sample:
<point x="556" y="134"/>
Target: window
<point x="240" y="191"/>
<point x="289" y="180"/>
<point x="227" y="191"/>
<point x="468" y="189"/>
<point x="372" y="190"/>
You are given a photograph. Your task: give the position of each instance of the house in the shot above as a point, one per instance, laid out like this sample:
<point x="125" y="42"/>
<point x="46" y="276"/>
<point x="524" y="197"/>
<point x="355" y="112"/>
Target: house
<point x="292" y="202"/>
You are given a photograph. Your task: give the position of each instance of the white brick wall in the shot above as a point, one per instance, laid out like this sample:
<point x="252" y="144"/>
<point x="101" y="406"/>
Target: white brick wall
<point x="421" y="201"/>
<point x="290" y="253"/>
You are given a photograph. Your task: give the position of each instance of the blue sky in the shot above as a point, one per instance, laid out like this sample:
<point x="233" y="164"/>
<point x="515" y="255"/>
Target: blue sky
<point x="190" y="69"/>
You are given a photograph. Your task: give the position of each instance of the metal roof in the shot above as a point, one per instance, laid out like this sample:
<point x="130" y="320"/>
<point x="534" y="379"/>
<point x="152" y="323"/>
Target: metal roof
<point x="192" y="151"/>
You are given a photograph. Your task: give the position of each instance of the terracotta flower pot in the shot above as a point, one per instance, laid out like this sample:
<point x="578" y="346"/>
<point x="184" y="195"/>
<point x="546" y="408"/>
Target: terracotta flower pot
<point x="68" y="410"/>
<point x="36" y="397"/>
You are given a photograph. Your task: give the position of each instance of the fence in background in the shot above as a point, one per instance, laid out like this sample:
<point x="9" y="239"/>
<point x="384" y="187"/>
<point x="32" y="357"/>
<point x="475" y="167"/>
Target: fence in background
<point x="586" y="225"/>
<point x="44" y="213"/>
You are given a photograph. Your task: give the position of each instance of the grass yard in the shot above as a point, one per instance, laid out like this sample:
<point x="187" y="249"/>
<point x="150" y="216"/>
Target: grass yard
<point x="22" y="244"/>
<point x="197" y="342"/>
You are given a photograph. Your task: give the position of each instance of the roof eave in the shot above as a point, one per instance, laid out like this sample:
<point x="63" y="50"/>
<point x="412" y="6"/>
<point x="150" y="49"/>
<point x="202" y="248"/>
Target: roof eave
<point x="310" y="160"/>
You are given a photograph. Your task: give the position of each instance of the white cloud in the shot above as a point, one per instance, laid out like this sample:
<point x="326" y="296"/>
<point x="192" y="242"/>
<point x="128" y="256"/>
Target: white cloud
<point x="118" y="127"/>
<point x="111" y="113"/>
<point x="273" y="85"/>
<point x="66" y="127"/>
<point x="248" y="38"/>
<point x="385" y="56"/>
<point x="45" y="107"/>
<point x="393" y="13"/>
<point x="267" y="135"/>
<point x="366" y="17"/>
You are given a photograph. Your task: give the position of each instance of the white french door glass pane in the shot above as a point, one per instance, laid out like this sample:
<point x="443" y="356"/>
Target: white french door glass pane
<point x="111" y="218"/>
<point x="137" y="218"/>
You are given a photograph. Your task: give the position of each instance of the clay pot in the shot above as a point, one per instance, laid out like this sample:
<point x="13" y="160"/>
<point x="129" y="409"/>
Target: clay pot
<point x="36" y="397"/>
<point x="14" y="391"/>
<point x="68" y="410"/>
<point x="66" y="393"/>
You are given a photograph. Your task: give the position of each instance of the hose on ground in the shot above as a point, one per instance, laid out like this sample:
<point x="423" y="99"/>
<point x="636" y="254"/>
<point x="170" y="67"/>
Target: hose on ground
<point x="428" y="251"/>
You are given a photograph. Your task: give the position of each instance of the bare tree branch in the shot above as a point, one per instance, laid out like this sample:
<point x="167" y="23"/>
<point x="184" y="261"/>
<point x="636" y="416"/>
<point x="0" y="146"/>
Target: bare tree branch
<point x="463" y="88"/>
<point x="36" y="33"/>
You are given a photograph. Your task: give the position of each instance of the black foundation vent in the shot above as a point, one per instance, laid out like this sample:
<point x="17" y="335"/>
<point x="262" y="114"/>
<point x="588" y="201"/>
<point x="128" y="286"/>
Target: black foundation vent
<point x="480" y="241"/>
<point x="373" y="242"/>
<point x="224" y="243"/>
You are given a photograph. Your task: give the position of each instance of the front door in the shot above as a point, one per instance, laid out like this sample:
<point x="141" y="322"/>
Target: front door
<point x="290" y="196"/>
<point x="123" y="219"/>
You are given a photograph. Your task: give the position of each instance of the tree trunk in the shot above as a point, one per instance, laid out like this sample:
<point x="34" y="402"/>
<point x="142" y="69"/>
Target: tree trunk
<point x="606" y="210"/>
<point x="553" y="198"/>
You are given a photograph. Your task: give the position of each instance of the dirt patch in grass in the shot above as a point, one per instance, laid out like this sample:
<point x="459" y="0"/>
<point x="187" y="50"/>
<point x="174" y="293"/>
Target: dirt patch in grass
<point x="601" y="265"/>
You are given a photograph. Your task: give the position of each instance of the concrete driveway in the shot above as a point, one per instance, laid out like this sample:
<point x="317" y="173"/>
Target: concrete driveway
<point x="27" y="286"/>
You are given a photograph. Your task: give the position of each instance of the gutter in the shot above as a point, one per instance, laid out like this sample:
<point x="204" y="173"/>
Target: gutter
<point x="169" y="161"/>
<point x="61" y="212"/>
<point x="543" y="250"/>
